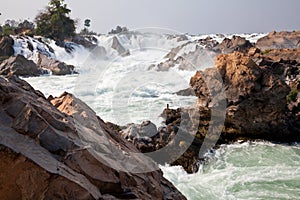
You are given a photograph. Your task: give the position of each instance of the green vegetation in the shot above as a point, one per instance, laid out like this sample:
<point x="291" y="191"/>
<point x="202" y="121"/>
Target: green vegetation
<point x="7" y="30"/>
<point x="85" y="30"/>
<point x="292" y="96"/>
<point x="12" y="27"/>
<point x="267" y="51"/>
<point x="54" y="22"/>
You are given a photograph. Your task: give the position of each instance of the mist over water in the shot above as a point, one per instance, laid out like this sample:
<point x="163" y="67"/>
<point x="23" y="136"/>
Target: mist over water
<point x="124" y="90"/>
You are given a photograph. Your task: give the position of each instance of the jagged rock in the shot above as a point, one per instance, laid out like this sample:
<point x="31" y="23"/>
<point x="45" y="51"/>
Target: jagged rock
<point x="118" y="30"/>
<point x="55" y="66"/>
<point x="141" y="135"/>
<point x="182" y="38"/>
<point x="201" y="57"/>
<point x="119" y="48"/>
<point x="253" y="51"/>
<point x="6" y="46"/>
<point x="84" y="42"/>
<point x="279" y="40"/>
<point x="256" y="99"/>
<point x="255" y="105"/>
<point x="236" y="43"/>
<point x="282" y="54"/>
<point x="59" y="150"/>
<point x="186" y="92"/>
<point x="19" y="66"/>
<point x="97" y="52"/>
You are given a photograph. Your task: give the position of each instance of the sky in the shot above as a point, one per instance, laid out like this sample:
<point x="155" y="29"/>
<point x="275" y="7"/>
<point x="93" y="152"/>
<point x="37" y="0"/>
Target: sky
<point x="184" y="16"/>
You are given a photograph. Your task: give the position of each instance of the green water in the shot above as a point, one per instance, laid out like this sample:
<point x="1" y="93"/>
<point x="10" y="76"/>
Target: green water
<point x="243" y="171"/>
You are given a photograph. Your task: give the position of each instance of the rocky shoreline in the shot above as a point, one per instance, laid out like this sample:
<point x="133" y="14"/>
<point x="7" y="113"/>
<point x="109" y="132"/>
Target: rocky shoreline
<point x="47" y="145"/>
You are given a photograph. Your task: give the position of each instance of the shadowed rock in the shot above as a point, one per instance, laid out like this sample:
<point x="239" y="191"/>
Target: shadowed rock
<point x="19" y="66"/>
<point x="56" y="67"/>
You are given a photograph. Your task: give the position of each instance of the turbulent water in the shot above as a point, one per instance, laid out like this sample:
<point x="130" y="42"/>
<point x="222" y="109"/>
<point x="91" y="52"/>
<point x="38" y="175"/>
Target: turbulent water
<point x="124" y="90"/>
<point x="243" y="171"/>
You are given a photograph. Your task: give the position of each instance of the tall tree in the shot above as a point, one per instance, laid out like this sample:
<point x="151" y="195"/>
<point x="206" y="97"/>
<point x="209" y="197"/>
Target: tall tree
<point x="54" y="22"/>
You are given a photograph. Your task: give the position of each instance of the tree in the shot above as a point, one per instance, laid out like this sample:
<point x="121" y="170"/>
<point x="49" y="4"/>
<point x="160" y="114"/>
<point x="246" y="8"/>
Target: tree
<point x="54" y="22"/>
<point x="85" y="30"/>
<point x="87" y="23"/>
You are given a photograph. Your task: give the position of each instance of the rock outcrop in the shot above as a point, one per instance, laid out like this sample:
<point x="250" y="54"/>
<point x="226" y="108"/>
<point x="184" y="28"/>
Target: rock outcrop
<point x="256" y="99"/>
<point x="19" y="66"/>
<point x="204" y="53"/>
<point x="87" y="42"/>
<point x="245" y="96"/>
<point x="119" y="30"/>
<point x="6" y="46"/>
<point x="60" y="150"/>
<point x="56" y="67"/>
<point x="236" y="43"/>
<point x="279" y="40"/>
<point x="119" y="48"/>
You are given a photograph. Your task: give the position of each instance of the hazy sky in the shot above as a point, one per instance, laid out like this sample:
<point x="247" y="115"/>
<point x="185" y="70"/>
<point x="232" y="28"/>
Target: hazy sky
<point x="192" y="16"/>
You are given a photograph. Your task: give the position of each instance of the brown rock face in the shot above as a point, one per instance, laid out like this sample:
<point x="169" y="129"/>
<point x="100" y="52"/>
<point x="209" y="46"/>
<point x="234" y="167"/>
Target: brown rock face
<point x="256" y="99"/>
<point x="279" y="40"/>
<point x="19" y="66"/>
<point x="56" y="67"/>
<point x="6" y="46"/>
<point x="236" y="43"/>
<point x="57" y="151"/>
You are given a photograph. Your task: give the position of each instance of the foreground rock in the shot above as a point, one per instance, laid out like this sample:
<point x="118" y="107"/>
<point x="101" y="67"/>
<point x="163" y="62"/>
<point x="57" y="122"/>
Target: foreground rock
<point x="19" y="66"/>
<point x="59" y="150"/>
<point x="279" y="40"/>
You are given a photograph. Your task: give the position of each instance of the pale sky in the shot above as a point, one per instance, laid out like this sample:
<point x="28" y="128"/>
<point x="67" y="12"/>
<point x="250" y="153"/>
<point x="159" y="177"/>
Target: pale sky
<point x="186" y="16"/>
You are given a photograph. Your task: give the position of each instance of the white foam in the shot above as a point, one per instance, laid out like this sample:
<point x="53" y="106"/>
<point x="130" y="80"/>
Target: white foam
<point x="250" y="170"/>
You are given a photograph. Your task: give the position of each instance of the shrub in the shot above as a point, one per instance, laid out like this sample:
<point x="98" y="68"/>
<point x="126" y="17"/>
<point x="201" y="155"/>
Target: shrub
<point x="266" y="51"/>
<point x="292" y="96"/>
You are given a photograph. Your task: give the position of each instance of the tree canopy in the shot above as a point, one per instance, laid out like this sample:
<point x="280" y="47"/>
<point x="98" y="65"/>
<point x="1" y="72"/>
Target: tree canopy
<point x="54" y="22"/>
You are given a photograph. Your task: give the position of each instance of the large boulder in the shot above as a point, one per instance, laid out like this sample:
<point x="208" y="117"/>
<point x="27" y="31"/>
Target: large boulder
<point x="6" y="46"/>
<point x="61" y="150"/>
<point x="279" y="40"/>
<point x="19" y="66"/>
<point x="55" y="66"/>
